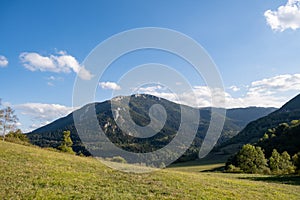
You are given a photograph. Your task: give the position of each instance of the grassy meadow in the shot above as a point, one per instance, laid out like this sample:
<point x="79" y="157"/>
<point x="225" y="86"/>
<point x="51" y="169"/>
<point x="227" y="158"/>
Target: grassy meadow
<point x="33" y="173"/>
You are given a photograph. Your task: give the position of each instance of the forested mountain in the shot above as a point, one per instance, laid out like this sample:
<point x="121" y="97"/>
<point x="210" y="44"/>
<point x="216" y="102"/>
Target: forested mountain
<point x="51" y="134"/>
<point x="284" y="137"/>
<point x="256" y="129"/>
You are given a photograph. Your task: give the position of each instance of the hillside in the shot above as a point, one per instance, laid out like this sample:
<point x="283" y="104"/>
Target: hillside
<point x="285" y="137"/>
<point x="51" y="134"/>
<point x="256" y="129"/>
<point x="34" y="173"/>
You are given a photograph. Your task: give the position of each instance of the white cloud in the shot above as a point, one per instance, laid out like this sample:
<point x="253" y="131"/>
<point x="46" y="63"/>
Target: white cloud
<point x="50" y="84"/>
<point x="3" y="61"/>
<point x="109" y="86"/>
<point x="285" y="17"/>
<point x="277" y="83"/>
<point x="52" y="79"/>
<point x="202" y="95"/>
<point x="269" y="92"/>
<point x="60" y="63"/>
<point x="149" y="89"/>
<point x="41" y="114"/>
<point x="234" y="88"/>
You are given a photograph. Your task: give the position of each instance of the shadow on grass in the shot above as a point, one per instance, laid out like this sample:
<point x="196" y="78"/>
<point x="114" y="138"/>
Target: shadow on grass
<point x="216" y="169"/>
<point x="290" y="180"/>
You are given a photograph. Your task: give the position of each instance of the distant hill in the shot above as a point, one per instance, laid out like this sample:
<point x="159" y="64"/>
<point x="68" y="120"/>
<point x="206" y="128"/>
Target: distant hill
<point x="51" y="134"/>
<point x="257" y="128"/>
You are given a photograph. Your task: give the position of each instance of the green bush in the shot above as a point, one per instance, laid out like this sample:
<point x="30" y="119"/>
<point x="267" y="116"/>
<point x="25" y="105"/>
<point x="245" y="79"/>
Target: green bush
<point x="118" y="159"/>
<point x="17" y="137"/>
<point x="233" y="169"/>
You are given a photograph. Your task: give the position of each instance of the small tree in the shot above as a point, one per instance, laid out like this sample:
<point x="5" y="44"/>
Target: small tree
<point x="281" y="164"/>
<point x="286" y="166"/>
<point x="251" y="159"/>
<point x="8" y="120"/>
<point x="66" y="145"/>
<point x="274" y="161"/>
<point x="296" y="161"/>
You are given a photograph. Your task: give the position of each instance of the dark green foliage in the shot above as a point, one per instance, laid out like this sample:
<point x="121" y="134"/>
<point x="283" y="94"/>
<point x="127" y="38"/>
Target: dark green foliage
<point x="66" y="145"/>
<point x="251" y="159"/>
<point x="284" y="137"/>
<point x="49" y="135"/>
<point x="256" y="130"/>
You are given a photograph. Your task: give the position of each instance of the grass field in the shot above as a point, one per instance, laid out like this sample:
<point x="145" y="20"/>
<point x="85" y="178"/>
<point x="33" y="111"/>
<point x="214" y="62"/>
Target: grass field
<point x="34" y="173"/>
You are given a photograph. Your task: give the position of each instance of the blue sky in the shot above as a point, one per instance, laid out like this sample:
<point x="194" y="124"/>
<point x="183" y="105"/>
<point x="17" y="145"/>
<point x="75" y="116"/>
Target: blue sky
<point x="255" y="45"/>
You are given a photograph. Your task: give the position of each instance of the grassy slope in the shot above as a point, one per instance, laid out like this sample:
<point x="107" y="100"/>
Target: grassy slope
<point x="29" y="172"/>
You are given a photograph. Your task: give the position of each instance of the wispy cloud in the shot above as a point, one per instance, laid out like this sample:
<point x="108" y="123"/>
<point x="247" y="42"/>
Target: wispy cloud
<point x="3" y="61"/>
<point x="109" y="86"/>
<point x="281" y="83"/>
<point x="52" y="79"/>
<point x="234" y="88"/>
<point x="41" y="114"/>
<point x="269" y="92"/>
<point x="60" y="63"/>
<point x="285" y="17"/>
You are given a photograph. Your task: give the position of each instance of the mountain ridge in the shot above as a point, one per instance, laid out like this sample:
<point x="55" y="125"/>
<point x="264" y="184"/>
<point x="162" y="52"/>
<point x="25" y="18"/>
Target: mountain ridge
<point x="50" y="135"/>
<point x="257" y="128"/>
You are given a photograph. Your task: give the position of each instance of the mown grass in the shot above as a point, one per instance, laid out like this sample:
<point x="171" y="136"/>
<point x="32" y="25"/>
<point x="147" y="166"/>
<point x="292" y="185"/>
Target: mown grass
<point x="34" y="173"/>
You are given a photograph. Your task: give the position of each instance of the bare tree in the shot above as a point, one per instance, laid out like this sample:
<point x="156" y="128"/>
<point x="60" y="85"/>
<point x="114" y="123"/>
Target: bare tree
<point x="1" y="116"/>
<point x="8" y="120"/>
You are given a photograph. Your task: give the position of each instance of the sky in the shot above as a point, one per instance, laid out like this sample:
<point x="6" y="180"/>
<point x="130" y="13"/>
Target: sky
<point x="254" y="44"/>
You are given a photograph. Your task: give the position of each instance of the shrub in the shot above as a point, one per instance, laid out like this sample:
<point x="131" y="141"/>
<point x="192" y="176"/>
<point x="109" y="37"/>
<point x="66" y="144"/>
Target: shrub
<point x="17" y="137"/>
<point x="233" y="169"/>
<point x="118" y="159"/>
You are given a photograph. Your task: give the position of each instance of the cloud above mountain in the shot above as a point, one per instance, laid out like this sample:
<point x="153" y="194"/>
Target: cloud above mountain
<point x="109" y="86"/>
<point x="267" y="92"/>
<point x="41" y="114"/>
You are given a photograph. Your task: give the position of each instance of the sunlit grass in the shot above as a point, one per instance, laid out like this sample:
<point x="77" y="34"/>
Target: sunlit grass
<point x="34" y="173"/>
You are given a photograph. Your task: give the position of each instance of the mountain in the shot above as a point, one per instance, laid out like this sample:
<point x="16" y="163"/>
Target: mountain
<point x="257" y="128"/>
<point x="139" y="105"/>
